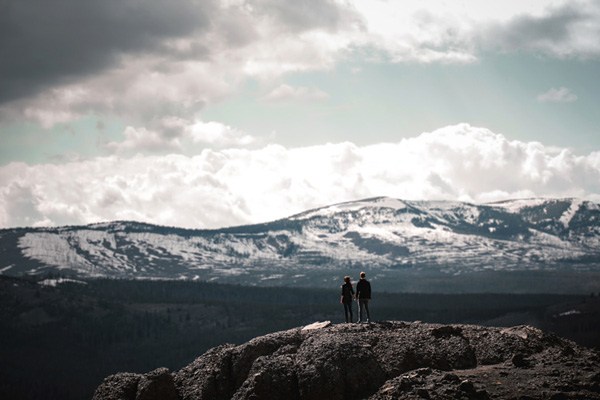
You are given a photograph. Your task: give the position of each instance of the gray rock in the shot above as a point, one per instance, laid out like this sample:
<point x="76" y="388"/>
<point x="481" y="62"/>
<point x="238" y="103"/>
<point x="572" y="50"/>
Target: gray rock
<point x="270" y="378"/>
<point x="157" y="385"/>
<point x="207" y="377"/>
<point x="121" y="386"/>
<point x="388" y="360"/>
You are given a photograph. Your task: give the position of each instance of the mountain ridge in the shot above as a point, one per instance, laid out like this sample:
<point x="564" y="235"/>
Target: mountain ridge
<point x="384" y="235"/>
<point x="127" y="222"/>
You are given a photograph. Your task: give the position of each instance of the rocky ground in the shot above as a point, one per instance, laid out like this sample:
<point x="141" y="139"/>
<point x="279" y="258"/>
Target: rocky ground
<point x="386" y="360"/>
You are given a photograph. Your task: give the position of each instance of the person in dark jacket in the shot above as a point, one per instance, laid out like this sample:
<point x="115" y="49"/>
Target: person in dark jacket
<point x="363" y="295"/>
<point x="346" y="299"/>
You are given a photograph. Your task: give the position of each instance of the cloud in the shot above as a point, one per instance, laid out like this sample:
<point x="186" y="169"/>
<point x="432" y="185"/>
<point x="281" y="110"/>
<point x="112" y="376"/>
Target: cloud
<point x="560" y="95"/>
<point x="141" y="139"/>
<point x="299" y="93"/>
<point x="416" y="32"/>
<point x="178" y="135"/>
<point x="135" y="60"/>
<point x="141" y="61"/>
<point x="300" y="15"/>
<point x="238" y="186"/>
<point x="141" y="90"/>
<point x="43" y="44"/>
<point x="218" y="134"/>
<point x="569" y="30"/>
<point x="451" y="32"/>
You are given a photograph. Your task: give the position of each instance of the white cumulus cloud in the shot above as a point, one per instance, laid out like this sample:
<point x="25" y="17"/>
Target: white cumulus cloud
<point x="216" y="133"/>
<point x="217" y="188"/>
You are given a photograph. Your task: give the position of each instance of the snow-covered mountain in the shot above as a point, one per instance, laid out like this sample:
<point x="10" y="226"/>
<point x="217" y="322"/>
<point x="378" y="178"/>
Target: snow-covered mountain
<point x="377" y="234"/>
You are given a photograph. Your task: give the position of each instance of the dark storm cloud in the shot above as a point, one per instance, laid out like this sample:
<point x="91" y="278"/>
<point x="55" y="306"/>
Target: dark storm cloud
<point x="45" y="42"/>
<point x="556" y="32"/>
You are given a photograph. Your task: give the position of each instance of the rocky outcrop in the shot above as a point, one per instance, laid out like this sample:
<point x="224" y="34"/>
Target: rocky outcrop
<point x="155" y="385"/>
<point x="386" y="360"/>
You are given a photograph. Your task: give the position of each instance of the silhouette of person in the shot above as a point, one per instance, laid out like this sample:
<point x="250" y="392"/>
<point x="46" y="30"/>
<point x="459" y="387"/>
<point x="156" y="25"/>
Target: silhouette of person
<point x="346" y="299"/>
<point x="363" y="295"/>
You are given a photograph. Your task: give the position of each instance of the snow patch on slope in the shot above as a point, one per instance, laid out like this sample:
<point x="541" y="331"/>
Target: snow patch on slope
<point x="53" y="249"/>
<point x="516" y="206"/>
<point x="2" y="270"/>
<point x="55" y="282"/>
<point x="379" y="202"/>
<point x="567" y="216"/>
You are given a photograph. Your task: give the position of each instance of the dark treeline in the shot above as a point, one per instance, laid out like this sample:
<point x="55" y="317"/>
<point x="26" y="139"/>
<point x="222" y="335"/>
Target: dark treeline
<point x="59" y="342"/>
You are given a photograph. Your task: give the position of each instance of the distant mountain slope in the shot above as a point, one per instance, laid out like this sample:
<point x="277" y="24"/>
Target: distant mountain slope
<point x="377" y="234"/>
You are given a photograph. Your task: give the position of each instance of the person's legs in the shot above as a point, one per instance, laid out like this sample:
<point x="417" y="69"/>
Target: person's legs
<point x="366" y="302"/>
<point x="360" y="309"/>
<point x="348" y="310"/>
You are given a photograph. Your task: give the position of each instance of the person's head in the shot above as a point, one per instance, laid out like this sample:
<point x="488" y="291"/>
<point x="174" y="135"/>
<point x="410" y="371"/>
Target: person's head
<point x="363" y="275"/>
<point x="347" y="279"/>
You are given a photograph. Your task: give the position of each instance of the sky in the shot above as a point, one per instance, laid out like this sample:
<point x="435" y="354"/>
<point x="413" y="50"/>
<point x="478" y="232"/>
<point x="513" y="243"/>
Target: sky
<point x="213" y="113"/>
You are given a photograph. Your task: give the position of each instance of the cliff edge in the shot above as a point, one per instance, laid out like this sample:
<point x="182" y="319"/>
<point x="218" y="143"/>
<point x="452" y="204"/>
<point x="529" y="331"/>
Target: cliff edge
<point x="385" y="360"/>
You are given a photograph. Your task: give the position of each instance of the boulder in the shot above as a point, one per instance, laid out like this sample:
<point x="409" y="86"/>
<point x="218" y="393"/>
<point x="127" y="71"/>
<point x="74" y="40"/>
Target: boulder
<point x="385" y="360"/>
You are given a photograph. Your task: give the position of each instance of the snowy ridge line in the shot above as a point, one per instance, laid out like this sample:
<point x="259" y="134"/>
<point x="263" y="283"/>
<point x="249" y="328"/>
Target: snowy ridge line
<point x="382" y="232"/>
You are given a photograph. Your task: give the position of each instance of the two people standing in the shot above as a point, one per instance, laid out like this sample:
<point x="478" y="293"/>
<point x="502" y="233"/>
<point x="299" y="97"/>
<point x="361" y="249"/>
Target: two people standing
<point x="363" y="295"/>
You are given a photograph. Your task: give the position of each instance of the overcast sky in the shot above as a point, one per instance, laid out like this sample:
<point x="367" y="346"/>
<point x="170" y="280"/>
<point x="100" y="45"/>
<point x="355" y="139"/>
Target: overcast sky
<point x="215" y="113"/>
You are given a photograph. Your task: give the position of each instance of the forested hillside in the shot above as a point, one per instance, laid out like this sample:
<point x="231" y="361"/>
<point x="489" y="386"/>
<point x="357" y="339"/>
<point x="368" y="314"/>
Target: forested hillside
<point x="58" y="342"/>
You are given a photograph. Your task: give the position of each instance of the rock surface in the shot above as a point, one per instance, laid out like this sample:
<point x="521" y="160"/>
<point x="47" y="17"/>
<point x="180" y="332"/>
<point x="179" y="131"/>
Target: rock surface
<point x="386" y="360"/>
